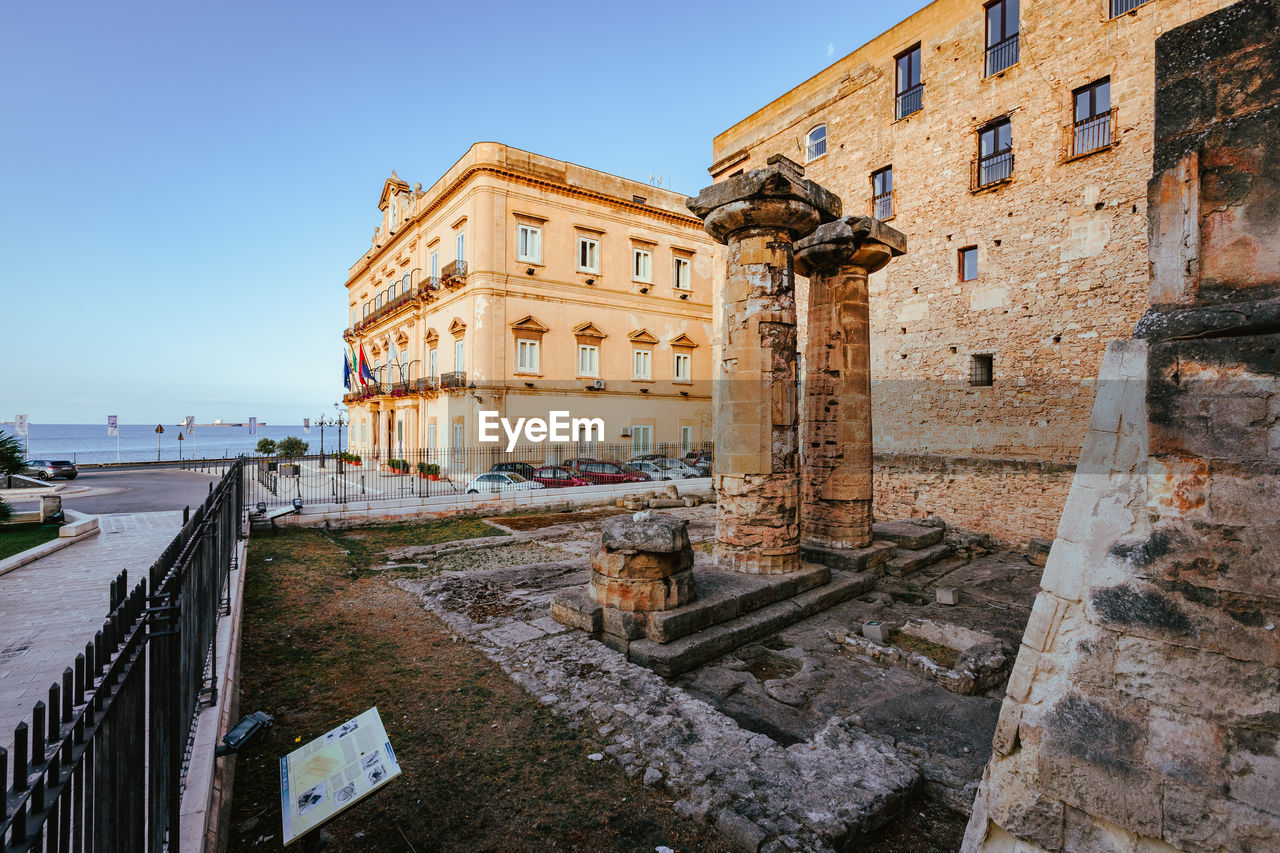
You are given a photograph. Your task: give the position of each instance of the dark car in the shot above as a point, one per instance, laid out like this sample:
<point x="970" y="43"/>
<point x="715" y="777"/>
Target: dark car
<point x="700" y="459"/>
<point x="524" y="469"/>
<point x="47" y="468"/>
<point x="558" y="477"/>
<point x="608" y="473"/>
<point x="575" y="464"/>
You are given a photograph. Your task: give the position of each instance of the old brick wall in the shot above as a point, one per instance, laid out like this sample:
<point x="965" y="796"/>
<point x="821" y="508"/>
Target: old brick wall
<point x="1143" y="712"/>
<point x="1062" y="247"/>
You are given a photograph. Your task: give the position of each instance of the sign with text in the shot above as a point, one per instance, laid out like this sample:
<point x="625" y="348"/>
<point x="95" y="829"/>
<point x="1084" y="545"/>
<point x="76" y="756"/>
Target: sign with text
<point x="333" y="772"/>
<point x="191" y="424"/>
<point x="306" y="425"/>
<point x="20" y="425"/>
<point x="113" y="425"/>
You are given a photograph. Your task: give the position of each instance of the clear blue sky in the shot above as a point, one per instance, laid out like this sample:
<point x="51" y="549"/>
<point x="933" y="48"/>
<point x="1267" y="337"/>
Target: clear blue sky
<point x="184" y="185"/>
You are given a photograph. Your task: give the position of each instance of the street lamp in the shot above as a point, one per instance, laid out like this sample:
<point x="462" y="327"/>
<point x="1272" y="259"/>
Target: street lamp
<point x="338" y="421"/>
<point x="322" y="423"/>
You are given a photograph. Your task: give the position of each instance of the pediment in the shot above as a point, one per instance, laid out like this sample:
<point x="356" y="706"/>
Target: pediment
<point x="684" y="341"/>
<point x="528" y="324"/>
<point x="589" y="330"/>
<point x="457" y="327"/>
<point x="642" y="336"/>
<point x="393" y="186"/>
<point x="432" y="335"/>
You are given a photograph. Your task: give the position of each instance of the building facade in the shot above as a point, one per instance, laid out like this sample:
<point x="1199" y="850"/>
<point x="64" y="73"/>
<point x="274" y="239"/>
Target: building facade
<point x="521" y="285"/>
<point x="1012" y="145"/>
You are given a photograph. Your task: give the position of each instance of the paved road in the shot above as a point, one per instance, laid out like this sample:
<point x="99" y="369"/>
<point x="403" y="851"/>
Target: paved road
<point x="138" y="490"/>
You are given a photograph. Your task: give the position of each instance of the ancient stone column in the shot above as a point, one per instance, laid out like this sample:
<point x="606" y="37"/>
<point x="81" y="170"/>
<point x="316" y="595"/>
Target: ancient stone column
<point x="644" y="563"/>
<point x="835" y="440"/>
<point x="758" y="215"/>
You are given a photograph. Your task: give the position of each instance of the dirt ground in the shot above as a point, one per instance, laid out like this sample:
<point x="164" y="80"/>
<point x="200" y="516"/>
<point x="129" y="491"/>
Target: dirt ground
<point x="485" y="766"/>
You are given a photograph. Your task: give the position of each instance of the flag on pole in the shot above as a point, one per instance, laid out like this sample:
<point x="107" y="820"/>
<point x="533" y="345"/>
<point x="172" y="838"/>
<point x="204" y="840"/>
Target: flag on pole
<point x="20" y="425"/>
<point x="366" y="375"/>
<point x="306" y="426"/>
<point x="346" y="372"/>
<point x="113" y="425"/>
<point x="253" y="426"/>
<point x="190" y="424"/>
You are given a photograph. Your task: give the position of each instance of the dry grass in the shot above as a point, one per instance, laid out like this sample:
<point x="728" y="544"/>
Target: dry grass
<point x="485" y="766"/>
<point x="538" y="521"/>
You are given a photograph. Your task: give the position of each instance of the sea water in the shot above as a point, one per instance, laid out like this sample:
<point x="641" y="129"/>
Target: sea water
<point x="89" y="443"/>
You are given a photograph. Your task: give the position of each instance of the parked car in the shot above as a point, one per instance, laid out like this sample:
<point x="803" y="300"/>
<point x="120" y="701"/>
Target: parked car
<point x="654" y="470"/>
<point x="700" y="460"/>
<point x="524" y="469"/>
<point x="608" y="473"/>
<point x="558" y="477"/>
<point x="575" y="464"/>
<point x="673" y="469"/>
<point x="497" y="482"/>
<point x="47" y="468"/>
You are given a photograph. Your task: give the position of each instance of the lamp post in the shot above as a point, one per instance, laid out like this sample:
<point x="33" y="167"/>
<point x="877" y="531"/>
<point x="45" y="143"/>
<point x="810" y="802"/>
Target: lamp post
<point x="338" y="421"/>
<point x="322" y="423"/>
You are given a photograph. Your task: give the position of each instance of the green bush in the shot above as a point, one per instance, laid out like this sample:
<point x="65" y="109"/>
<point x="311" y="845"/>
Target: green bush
<point x="400" y="465"/>
<point x="266" y="446"/>
<point x="6" y="511"/>
<point x="12" y="459"/>
<point x="350" y="457"/>
<point x="291" y="447"/>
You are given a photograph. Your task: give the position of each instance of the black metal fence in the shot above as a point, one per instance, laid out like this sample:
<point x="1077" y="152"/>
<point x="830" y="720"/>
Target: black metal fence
<point x="1119" y="7"/>
<point x="909" y="101"/>
<point x="430" y="473"/>
<point x="99" y="767"/>
<point x="1000" y="56"/>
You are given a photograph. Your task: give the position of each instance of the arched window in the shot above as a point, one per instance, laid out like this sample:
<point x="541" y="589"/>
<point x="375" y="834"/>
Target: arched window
<point x="816" y="143"/>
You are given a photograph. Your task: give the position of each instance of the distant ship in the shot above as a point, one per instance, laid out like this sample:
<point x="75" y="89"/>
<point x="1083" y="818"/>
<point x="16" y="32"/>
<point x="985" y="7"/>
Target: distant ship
<point x="219" y="422"/>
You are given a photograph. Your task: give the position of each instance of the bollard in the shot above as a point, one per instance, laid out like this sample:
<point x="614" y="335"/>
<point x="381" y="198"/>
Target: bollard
<point x="186" y="514"/>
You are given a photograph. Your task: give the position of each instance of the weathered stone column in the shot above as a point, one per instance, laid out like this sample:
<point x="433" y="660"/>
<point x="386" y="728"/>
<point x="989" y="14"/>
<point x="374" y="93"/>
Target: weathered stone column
<point x="835" y="440"/>
<point x="758" y="215"/>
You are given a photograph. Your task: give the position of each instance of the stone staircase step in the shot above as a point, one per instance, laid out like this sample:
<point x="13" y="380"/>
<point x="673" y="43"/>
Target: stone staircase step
<point x="909" y="534"/>
<point x="911" y="561"/>
<point x="686" y="653"/>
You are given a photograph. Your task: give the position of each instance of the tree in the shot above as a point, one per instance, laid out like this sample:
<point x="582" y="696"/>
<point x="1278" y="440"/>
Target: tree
<point x="12" y="459"/>
<point x="266" y="446"/>
<point x="291" y="447"/>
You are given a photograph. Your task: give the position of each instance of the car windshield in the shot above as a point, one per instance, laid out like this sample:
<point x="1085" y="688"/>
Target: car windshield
<point x="627" y="469"/>
<point x="516" y="478"/>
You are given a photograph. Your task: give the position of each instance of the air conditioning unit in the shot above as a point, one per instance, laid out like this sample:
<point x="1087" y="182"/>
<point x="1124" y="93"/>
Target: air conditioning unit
<point x="597" y="385"/>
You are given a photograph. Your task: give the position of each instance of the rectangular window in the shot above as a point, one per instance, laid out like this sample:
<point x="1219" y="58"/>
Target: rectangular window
<point x="435" y="264"/>
<point x="529" y="244"/>
<point x="882" y="193"/>
<point x="642" y="265"/>
<point x="680" y="273"/>
<point x="968" y="263"/>
<point x="588" y="360"/>
<point x="642" y="364"/>
<point x="909" y="88"/>
<point x="588" y="255"/>
<point x="461" y="246"/>
<point x="641" y="440"/>
<point x="995" y="153"/>
<point x="526" y="356"/>
<point x="459" y="355"/>
<point x="1002" y="36"/>
<point x="686" y="439"/>
<point x="815" y="143"/>
<point x="431" y="436"/>
<point x="432" y="363"/>
<point x="981" y="370"/>
<point x="366" y="309"/>
<point x="683" y="366"/>
<point x="1119" y="7"/>
<point x="459" y="435"/>
<point x="1091" y="128"/>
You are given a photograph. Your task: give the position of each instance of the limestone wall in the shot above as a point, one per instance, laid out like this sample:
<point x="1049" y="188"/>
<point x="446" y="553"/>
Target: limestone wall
<point x="1143" y="712"/>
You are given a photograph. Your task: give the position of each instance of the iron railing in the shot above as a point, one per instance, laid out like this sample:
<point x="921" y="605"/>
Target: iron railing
<point x="396" y="474"/>
<point x="99" y="767"/>
<point x="992" y="169"/>
<point x="1119" y="7"/>
<point x="882" y="205"/>
<point x="1001" y="55"/>
<point x="1089" y="135"/>
<point x="453" y="379"/>
<point x="909" y="101"/>
<point x="454" y="272"/>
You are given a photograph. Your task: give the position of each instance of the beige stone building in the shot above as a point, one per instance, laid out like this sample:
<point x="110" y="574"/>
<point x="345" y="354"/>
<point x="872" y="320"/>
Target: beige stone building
<point x="1012" y="146"/>
<point x="523" y="285"/>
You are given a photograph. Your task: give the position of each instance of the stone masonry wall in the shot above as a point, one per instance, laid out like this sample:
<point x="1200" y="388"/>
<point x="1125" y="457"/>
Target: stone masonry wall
<point x="1062" y="247"/>
<point x="1143" y="712"/>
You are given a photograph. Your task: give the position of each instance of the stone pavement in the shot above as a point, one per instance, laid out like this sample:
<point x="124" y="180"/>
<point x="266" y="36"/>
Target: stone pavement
<point x="50" y="608"/>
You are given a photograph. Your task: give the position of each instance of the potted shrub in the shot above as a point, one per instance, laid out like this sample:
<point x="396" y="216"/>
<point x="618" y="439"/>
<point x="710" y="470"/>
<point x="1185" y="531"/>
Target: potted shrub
<point x="350" y="458"/>
<point x="398" y="466"/>
<point x="291" y="448"/>
<point x="267" y="447"/>
<point x="433" y="471"/>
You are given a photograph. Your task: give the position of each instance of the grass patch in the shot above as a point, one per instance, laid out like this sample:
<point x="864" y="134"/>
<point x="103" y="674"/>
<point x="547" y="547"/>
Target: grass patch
<point x="20" y="537"/>
<point x="485" y="766"/>
<point x="943" y="655"/>
<point x="364" y="546"/>
<point x="537" y="521"/>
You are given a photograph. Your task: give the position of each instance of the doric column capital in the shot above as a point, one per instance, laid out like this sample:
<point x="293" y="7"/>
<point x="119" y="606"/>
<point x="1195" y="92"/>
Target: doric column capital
<point x="777" y="196"/>
<point x="854" y="241"/>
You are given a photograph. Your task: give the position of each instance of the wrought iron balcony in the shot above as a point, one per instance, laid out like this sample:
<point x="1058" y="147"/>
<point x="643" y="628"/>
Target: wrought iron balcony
<point x="882" y="206"/>
<point x="992" y="169"/>
<point x="454" y="379"/>
<point x="908" y="102"/>
<point x="426" y="385"/>
<point x="454" y="273"/>
<point x="1001" y="55"/>
<point x="1089" y="135"/>
<point x="1119" y="7"/>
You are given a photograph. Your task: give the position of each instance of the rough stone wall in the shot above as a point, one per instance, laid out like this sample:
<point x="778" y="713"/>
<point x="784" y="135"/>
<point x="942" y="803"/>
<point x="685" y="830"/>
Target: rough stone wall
<point x="1012" y="500"/>
<point x="1062" y="247"/>
<point x="1143" y="712"/>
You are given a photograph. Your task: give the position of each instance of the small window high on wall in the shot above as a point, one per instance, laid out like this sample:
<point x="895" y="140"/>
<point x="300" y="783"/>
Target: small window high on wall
<point x="815" y="144"/>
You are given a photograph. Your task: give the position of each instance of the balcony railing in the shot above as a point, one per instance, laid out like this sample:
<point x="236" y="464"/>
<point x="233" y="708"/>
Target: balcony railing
<point x="454" y="379"/>
<point x="426" y="384"/>
<point x="389" y="307"/>
<point x="1089" y="135"/>
<point x="1119" y="7"/>
<point x="908" y="102"/>
<point x="992" y="169"/>
<point x="882" y="206"/>
<point x="1001" y="55"/>
<point x="454" y="273"/>
<point x="432" y="283"/>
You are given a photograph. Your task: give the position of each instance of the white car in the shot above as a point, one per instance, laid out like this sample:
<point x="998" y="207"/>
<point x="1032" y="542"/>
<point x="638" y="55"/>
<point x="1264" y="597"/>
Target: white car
<point x="655" y="472"/>
<point x="496" y="482"/>
<point x="668" y="468"/>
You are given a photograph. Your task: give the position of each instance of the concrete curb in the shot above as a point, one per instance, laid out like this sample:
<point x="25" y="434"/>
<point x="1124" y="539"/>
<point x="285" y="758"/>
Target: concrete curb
<point x="79" y="526"/>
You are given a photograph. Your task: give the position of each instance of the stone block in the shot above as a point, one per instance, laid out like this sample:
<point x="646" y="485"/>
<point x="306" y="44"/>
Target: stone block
<point x="869" y="558"/>
<point x="906" y="533"/>
<point x="1038" y="552"/>
<point x="665" y="503"/>
<point x="635" y="595"/>
<point x="948" y="595"/>
<point x="656" y="533"/>
<point x="877" y="632"/>
<point x="576" y="608"/>
<point x="1043" y="621"/>
<point x="640" y="566"/>
<point x="908" y="562"/>
<point x="739" y="831"/>
<point x="622" y="623"/>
